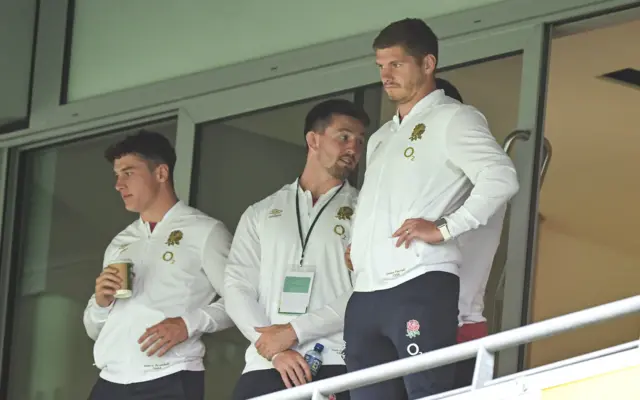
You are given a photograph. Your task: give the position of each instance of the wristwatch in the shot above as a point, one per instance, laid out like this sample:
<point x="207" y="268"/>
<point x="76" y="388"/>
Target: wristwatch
<point x="442" y="226"/>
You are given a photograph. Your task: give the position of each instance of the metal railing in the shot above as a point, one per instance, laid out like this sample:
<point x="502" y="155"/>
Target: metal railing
<point x="484" y="349"/>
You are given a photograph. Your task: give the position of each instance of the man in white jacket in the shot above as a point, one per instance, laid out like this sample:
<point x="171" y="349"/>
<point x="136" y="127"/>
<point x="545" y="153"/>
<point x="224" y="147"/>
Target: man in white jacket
<point x="148" y="345"/>
<point x="478" y="247"/>
<point x="433" y="173"/>
<point x="286" y="283"/>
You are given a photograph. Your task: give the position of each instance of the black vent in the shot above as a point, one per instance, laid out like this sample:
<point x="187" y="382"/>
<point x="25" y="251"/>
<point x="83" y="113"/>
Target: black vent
<point x="627" y="76"/>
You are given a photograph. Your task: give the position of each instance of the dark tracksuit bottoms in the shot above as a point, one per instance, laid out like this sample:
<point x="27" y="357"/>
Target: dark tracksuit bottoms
<point x="415" y="317"/>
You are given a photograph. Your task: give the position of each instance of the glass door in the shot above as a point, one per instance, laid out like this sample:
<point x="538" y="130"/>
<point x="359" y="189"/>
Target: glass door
<point x="522" y="223"/>
<point x="588" y="249"/>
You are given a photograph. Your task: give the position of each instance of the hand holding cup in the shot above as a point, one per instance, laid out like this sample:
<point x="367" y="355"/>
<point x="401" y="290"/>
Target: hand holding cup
<point x="114" y="282"/>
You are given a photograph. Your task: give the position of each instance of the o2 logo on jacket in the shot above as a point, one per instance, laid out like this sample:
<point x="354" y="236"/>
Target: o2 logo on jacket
<point x="173" y="240"/>
<point x="340" y="231"/>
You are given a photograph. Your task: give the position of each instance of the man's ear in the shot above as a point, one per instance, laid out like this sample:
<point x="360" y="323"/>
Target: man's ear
<point x="312" y="140"/>
<point x="162" y="173"/>
<point x="429" y="63"/>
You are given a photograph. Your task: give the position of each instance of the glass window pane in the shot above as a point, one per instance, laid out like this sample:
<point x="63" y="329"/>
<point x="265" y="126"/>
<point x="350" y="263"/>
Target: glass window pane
<point x="241" y="161"/>
<point x="70" y="212"/>
<point x="585" y="258"/>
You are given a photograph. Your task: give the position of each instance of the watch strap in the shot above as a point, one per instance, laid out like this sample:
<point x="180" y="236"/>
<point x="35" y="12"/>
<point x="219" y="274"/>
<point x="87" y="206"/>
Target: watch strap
<point x="442" y="226"/>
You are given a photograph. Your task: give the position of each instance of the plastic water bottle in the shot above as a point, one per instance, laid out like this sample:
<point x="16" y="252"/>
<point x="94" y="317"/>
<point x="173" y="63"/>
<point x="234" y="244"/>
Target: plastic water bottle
<point x="314" y="358"/>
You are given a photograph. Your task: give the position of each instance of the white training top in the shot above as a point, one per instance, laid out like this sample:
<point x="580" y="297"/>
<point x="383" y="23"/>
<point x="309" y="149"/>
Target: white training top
<point x="478" y="248"/>
<point x="267" y="244"/>
<point x="440" y="161"/>
<point x="179" y="270"/>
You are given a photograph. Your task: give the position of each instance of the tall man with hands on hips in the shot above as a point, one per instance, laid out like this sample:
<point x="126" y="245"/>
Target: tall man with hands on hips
<point x="148" y="345"/>
<point x="298" y="234"/>
<point x="433" y="173"/>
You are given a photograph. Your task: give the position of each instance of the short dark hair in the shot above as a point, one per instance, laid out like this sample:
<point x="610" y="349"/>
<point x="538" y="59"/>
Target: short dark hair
<point x="449" y="89"/>
<point x="319" y="118"/>
<point x="413" y="34"/>
<point x="149" y="145"/>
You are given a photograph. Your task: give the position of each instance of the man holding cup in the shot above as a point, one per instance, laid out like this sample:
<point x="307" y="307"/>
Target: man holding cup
<point x="153" y="299"/>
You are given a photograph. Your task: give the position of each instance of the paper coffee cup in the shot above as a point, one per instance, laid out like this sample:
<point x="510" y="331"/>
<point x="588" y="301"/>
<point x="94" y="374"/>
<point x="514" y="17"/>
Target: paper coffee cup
<point x="125" y="272"/>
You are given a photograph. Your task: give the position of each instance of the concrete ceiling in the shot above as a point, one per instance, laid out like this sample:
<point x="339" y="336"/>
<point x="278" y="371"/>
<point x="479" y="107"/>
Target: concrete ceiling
<point x="108" y="39"/>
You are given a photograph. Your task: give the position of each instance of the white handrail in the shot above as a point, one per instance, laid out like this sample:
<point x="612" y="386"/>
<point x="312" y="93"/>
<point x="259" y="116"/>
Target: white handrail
<point x="433" y="359"/>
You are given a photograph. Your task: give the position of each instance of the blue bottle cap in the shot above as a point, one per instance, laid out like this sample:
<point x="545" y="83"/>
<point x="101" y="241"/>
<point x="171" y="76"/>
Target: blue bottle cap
<point x="319" y="347"/>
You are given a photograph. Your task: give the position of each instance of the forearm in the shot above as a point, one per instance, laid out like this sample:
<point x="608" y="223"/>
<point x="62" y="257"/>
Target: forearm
<point x="472" y="148"/>
<point x="494" y="188"/>
<point x="322" y="322"/>
<point x="95" y="317"/>
<point x="246" y="312"/>
<point x="208" y="319"/>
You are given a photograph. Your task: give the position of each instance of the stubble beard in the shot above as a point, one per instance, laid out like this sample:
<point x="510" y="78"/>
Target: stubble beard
<point x="338" y="172"/>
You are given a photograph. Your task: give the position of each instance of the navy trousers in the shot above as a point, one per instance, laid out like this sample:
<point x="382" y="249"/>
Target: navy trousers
<point x="415" y="317"/>
<point x="257" y="383"/>
<point x="464" y="373"/>
<point x="183" y="385"/>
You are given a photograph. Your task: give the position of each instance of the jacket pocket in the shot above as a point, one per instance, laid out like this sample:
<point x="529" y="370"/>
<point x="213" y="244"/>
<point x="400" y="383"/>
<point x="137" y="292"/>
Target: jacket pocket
<point x="397" y="261"/>
<point x="438" y="253"/>
<point x="190" y="348"/>
<point x="110" y="340"/>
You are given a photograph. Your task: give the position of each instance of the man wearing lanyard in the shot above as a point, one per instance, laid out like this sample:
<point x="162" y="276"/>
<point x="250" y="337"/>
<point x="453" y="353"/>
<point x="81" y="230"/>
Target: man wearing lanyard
<point x="286" y="283"/>
<point x="148" y="343"/>
<point x="478" y="247"/>
<point x="433" y="173"/>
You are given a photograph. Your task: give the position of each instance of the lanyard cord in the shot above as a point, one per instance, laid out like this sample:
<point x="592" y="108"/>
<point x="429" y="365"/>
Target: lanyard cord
<point x="305" y="241"/>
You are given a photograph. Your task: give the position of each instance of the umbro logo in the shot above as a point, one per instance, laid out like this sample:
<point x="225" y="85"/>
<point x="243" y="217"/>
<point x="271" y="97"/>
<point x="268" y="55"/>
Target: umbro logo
<point x="275" y="213"/>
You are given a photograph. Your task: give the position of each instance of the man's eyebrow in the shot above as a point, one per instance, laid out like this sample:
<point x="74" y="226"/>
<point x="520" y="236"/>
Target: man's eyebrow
<point x="125" y="169"/>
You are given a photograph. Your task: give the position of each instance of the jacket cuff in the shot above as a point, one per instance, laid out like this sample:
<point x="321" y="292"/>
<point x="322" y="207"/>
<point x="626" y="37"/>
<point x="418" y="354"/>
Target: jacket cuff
<point x="301" y="325"/>
<point x="99" y="313"/>
<point x="195" y="321"/>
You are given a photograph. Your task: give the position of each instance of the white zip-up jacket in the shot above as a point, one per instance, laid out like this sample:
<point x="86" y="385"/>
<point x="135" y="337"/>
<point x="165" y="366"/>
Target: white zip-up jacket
<point x="267" y="244"/>
<point x="440" y="161"/>
<point x="178" y="271"/>
<point x="478" y="247"/>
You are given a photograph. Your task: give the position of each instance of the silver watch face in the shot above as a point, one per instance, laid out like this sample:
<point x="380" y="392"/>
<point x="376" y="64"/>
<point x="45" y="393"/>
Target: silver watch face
<point x="441" y="222"/>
